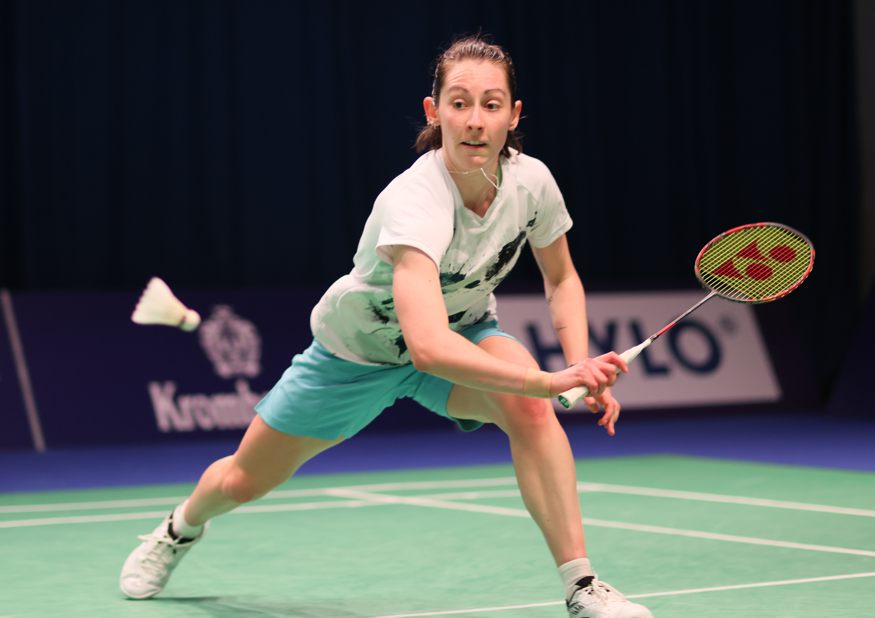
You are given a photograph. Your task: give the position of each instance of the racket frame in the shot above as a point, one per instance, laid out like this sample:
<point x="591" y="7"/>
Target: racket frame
<point x="756" y="301"/>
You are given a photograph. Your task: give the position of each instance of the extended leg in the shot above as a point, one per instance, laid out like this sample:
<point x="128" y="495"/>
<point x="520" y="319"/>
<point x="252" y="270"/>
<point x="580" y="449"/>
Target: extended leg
<point x="547" y="478"/>
<point x="265" y="459"/>
<point x="542" y="457"/>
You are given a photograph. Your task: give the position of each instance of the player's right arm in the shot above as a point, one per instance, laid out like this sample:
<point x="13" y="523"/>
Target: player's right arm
<point x="438" y="350"/>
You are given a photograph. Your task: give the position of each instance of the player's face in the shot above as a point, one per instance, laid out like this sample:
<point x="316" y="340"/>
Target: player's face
<point x="475" y="113"/>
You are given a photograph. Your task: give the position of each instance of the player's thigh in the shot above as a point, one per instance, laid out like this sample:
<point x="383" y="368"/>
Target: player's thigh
<point x="269" y="457"/>
<point x="504" y="409"/>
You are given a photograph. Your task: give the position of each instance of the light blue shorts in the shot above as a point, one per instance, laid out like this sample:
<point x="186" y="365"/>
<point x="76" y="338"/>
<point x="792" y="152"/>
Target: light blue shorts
<point x="324" y="396"/>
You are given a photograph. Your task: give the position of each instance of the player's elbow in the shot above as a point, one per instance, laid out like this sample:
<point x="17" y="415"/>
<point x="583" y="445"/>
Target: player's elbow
<point x="424" y="353"/>
<point x="427" y="343"/>
<point x="423" y="358"/>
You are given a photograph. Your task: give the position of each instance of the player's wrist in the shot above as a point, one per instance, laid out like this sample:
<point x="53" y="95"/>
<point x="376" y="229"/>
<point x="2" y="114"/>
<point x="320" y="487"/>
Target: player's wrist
<point x="537" y="383"/>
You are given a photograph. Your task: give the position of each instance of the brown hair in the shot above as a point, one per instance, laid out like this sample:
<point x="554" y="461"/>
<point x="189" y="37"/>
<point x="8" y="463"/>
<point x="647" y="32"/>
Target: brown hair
<point x="469" y="48"/>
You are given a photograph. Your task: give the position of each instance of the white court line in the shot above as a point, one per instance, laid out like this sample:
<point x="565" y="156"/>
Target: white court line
<point x="274" y="495"/>
<point x="88" y="506"/>
<point x="459" y="484"/>
<point x="255" y="508"/>
<point x="603" y="523"/>
<point x="784" y="582"/>
<point x="435" y="500"/>
<point x="680" y="495"/>
<point x="713" y="536"/>
<point x="476" y="610"/>
<point x="128" y="503"/>
<point x="426" y="501"/>
<point x="82" y="519"/>
<point x="358" y="498"/>
<point x="706" y="497"/>
<point x="260" y="508"/>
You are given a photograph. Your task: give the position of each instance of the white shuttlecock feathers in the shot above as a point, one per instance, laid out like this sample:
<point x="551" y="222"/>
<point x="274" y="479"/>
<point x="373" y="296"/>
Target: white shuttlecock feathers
<point x="158" y="305"/>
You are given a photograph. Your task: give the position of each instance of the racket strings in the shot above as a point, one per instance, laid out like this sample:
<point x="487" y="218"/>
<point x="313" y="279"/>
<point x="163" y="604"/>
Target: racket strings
<point x="755" y="263"/>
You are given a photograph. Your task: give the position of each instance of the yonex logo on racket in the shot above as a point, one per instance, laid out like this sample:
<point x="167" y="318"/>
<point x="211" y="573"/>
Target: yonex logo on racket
<point x="759" y="268"/>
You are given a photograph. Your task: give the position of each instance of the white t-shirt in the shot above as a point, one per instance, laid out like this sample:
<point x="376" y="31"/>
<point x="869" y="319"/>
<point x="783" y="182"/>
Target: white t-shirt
<point x="422" y="208"/>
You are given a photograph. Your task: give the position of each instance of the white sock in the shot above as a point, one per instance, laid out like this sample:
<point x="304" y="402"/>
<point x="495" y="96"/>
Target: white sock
<point x="572" y="571"/>
<point x="181" y="527"/>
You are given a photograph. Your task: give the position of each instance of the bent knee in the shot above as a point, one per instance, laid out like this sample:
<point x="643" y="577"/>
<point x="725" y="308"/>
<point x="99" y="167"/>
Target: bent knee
<point x="241" y="486"/>
<point x="528" y="414"/>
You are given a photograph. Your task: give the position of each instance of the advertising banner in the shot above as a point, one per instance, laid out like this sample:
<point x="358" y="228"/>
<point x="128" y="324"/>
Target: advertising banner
<point x="98" y="378"/>
<point x="714" y="357"/>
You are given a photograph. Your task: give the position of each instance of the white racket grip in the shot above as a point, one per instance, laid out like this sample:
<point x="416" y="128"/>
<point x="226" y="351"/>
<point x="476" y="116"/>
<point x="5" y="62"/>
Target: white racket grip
<point x="572" y="395"/>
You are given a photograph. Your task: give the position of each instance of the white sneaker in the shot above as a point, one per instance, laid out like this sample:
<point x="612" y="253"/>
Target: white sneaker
<point x="147" y="569"/>
<point x="596" y="599"/>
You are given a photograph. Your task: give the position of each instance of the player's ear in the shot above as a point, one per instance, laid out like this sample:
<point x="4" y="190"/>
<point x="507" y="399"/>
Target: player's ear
<point x="429" y="106"/>
<point x="516" y="114"/>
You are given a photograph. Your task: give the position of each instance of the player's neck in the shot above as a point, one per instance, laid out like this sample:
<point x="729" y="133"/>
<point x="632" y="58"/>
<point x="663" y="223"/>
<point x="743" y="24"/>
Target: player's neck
<point x="481" y="202"/>
<point x="478" y="187"/>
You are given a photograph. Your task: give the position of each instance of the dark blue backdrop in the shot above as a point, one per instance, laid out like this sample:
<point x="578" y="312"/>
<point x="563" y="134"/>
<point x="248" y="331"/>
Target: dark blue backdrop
<point x="240" y="144"/>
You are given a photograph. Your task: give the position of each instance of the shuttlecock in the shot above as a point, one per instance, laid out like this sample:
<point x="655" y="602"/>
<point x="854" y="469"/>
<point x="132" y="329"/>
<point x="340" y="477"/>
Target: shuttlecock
<point x="158" y="305"/>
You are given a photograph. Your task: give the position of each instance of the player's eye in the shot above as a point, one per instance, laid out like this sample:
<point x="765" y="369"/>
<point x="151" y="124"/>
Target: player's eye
<point x="458" y="104"/>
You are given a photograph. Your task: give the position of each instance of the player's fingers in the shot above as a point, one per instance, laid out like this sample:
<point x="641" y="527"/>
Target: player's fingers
<point x="616" y="360"/>
<point x="606" y="417"/>
<point x="592" y="404"/>
<point x="607" y="421"/>
<point x="615" y="416"/>
<point x="610" y="373"/>
<point x="603" y="377"/>
<point x="606" y="369"/>
<point x="610" y="427"/>
<point x="589" y="379"/>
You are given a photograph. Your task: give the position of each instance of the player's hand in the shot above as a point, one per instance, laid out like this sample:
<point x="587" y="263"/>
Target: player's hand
<point x="596" y="374"/>
<point x="611" y="407"/>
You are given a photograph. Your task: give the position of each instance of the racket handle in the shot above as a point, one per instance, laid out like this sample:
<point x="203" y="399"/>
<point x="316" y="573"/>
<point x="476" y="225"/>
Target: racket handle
<point x="572" y="395"/>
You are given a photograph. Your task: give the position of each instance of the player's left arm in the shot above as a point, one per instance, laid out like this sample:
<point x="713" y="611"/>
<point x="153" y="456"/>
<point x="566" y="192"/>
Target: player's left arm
<point x="566" y="298"/>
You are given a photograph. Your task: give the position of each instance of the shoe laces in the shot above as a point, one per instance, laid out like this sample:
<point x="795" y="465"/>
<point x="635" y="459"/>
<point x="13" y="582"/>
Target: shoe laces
<point x="160" y="553"/>
<point x="600" y="592"/>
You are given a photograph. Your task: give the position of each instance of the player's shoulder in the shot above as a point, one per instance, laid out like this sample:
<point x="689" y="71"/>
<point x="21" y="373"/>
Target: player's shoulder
<point x="529" y="171"/>
<point x="421" y="181"/>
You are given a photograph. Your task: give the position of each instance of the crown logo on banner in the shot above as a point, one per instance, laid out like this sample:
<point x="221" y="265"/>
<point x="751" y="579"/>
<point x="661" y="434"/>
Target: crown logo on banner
<point x="232" y="343"/>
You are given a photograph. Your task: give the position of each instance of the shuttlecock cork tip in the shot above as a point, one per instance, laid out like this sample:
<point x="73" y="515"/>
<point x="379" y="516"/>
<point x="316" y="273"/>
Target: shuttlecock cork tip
<point x="190" y="321"/>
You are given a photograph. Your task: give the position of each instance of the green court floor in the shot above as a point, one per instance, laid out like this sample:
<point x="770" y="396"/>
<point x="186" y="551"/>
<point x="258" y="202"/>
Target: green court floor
<point x="688" y="537"/>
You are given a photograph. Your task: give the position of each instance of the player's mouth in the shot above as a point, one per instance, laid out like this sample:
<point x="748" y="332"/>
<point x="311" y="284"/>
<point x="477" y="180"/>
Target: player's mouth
<point x="474" y="144"/>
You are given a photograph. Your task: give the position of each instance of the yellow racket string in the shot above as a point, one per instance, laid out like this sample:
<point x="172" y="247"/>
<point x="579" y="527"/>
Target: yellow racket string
<point x="756" y="263"/>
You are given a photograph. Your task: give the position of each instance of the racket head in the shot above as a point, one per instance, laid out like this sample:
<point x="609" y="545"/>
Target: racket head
<point x="755" y="263"/>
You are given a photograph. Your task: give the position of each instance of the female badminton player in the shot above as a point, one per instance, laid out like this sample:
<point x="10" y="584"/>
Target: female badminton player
<point x="416" y="318"/>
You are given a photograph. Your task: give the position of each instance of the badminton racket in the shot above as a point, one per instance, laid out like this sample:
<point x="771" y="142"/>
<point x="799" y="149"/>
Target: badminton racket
<point x="753" y="263"/>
